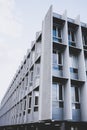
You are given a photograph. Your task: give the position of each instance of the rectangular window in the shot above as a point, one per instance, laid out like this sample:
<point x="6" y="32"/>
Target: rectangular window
<point x="25" y="104"/>
<point x="54" y="31"/>
<point x="31" y="76"/>
<point x="60" y="92"/>
<point x="75" y="90"/>
<point x="84" y="38"/>
<point x="36" y="100"/>
<point x="57" y="57"/>
<point x="73" y="61"/>
<point x="21" y="105"/>
<point x="29" y="102"/>
<point x="37" y="69"/>
<point x="27" y="79"/>
<point x="71" y="37"/>
<point x="57" y="35"/>
<point x="73" y="70"/>
<point x="57" y="94"/>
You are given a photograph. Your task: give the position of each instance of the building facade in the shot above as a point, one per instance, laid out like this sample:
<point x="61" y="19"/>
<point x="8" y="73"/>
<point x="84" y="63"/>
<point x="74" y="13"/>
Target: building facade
<point x="49" y="88"/>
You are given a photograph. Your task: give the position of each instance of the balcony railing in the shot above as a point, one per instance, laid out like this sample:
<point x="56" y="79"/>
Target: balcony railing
<point x="71" y="43"/>
<point x="57" y="39"/>
<point x="57" y="70"/>
<point x="73" y="73"/>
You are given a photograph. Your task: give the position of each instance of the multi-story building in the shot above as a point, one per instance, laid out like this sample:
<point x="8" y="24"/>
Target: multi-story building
<point x="49" y="88"/>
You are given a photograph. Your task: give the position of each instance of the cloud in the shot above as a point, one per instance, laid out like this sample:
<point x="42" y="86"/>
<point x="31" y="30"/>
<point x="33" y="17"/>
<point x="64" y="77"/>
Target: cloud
<point x="10" y="23"/>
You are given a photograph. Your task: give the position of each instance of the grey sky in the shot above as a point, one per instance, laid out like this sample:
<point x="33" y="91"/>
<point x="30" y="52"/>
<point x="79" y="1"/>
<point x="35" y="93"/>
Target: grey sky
<point x="19" y="20"/>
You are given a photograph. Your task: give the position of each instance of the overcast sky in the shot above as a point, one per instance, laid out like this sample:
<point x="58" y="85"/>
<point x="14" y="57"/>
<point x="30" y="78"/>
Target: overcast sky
<point x="19" y="20"/>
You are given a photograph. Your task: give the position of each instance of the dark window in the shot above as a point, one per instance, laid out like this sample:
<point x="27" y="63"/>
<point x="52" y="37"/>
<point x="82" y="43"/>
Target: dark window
<point x="72" y="36"/>
<point x="75" y="97"/>
<point x="23" y="112"/>
<point x="27" y="79"/>
<point x="84" y="39"/>
<point x="25" y="104"/>
<point x="29" y="102"/>
<point x="59" y="32"/>
<point x="59" y="58"/>
<point x="35" y="108"/>
<point x="29" y="110"/>
<point x="36" y="100"/>
<point x="60" y="92"/>
<point x="61" y="104"/>
<point x="54" y="31"/>
<point x="73" y="70"/>
<point x="76" y="94"/>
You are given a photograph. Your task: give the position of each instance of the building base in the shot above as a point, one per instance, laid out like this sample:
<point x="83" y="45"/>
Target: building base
<point x="48" y="125"/>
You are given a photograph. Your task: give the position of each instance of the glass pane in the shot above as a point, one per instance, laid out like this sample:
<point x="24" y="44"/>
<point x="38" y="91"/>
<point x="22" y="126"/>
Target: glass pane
<point x="73" y="94"/>
<point x="35" y="108"/>
<point x="25" y="104"/>
<point x="26" y="80"/>
<point x="69" y="35"/>
<point x="59" y="58"/>
<point x="54" y="92"/>
<point x="29" y="110"/>
<point x="36" y="100"/>
<point x="55" y="58"/>
<point x="61" y="104"/>
<point x="29" y="102"/>
<point x="60" y="93"/>
<point x="31" y="76"/>
<point x="59" y="32"/>
<point x="72" y="36"/>
<point x="54" y="31"/>
<point x="76" y="94"/>
<point x="77" y="106"/>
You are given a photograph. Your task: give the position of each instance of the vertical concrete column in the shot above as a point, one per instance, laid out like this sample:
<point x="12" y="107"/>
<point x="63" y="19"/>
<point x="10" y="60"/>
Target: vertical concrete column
<point x="82" y="74"/>
<point x="66" y="74"/>
<point x="45" y="102"/>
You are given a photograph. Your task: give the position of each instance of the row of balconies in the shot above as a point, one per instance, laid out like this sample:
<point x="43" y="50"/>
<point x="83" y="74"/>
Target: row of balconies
<point x="70" y="43"/>
<point x="58" y="72"/>
<point x="24" y="88"/>
<point x="20" y="93"/>
<point x="24" y="69"/>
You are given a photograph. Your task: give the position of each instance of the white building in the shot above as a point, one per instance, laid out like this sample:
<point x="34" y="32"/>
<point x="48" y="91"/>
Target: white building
<point x="50" y="86"/>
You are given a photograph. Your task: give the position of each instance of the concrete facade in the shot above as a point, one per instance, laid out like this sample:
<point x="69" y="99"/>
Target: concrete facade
<point x="51" y="82"/>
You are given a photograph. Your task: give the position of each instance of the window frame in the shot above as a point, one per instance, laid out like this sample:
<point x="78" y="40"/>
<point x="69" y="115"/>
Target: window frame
<point x="36" y="106"/>
<point x="75" y="100"/>
<point x="57" y="99"/>
<point x="29" y="103"/>
<point x="56" y="54"/>
<point x="58" y="35"/>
